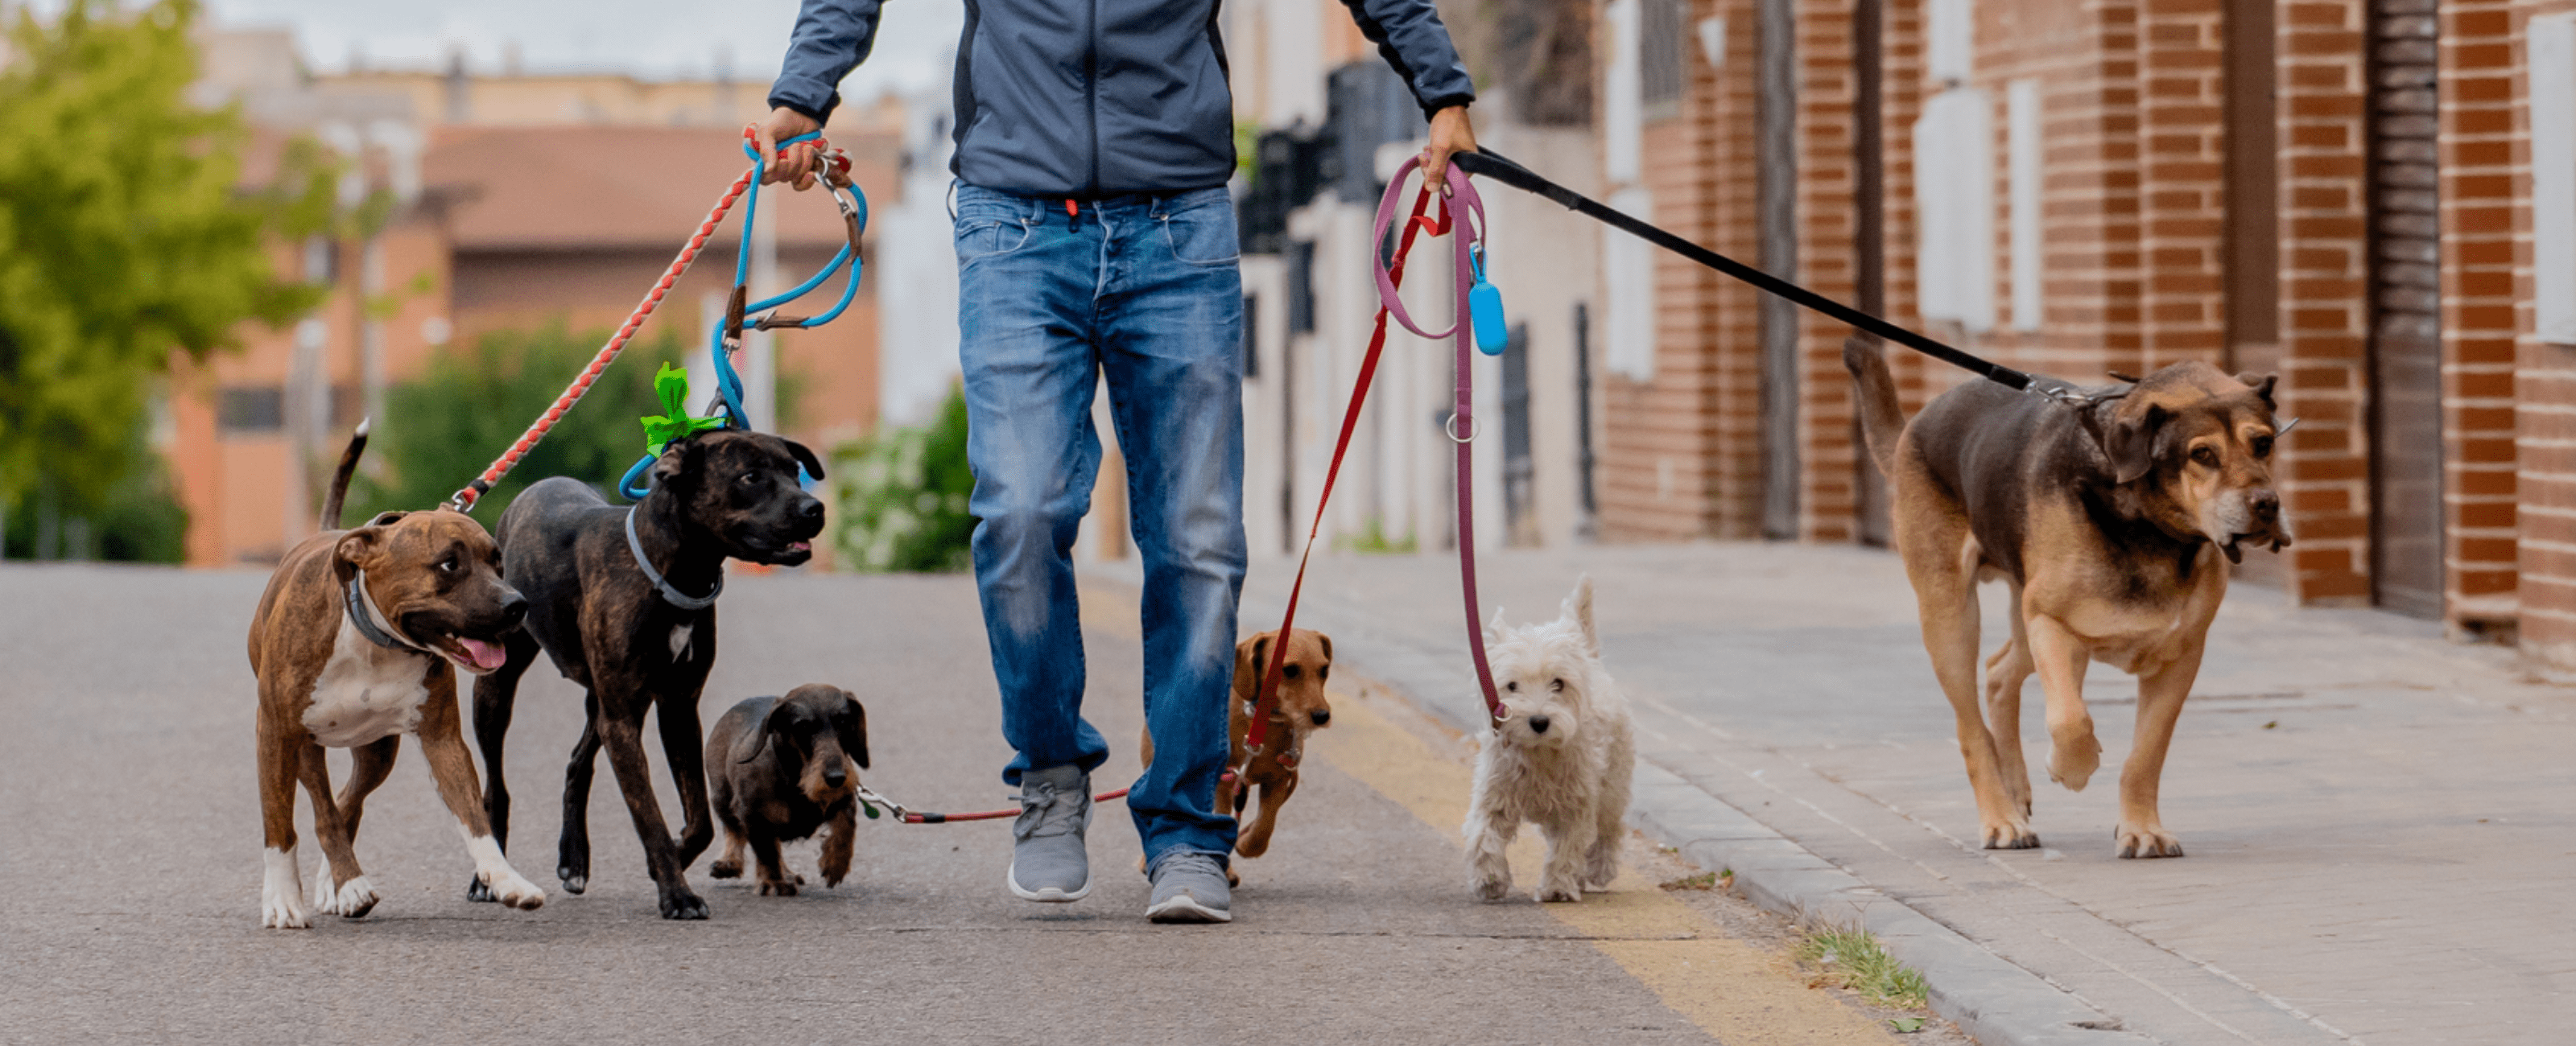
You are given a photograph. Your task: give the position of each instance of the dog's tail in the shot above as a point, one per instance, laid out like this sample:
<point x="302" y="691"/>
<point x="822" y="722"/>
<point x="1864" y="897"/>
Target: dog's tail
<point x="340" y="477"/>
<point x="1874" y="389"/>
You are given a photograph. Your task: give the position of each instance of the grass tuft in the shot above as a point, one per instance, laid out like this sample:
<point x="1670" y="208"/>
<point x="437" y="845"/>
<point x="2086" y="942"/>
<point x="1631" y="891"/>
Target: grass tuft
<point x="1851" y="957"/>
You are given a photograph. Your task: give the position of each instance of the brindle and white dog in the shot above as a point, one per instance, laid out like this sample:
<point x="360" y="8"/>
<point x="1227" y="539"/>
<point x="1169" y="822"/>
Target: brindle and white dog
<point x="2107" y="522"/>
<point x="352" y="644"/>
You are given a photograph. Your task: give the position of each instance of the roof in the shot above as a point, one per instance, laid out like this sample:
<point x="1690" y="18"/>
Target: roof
<point x="559" y="188"/>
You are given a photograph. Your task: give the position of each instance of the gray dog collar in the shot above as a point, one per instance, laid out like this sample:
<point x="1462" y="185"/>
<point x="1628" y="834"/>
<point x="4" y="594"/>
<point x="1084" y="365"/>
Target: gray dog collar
<point x="362" y="614"/>
<point x="669" y="595"/>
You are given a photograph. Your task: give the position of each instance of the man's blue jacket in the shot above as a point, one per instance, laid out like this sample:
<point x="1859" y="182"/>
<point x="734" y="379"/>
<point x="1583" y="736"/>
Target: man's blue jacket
<point x="1092" y="98"/>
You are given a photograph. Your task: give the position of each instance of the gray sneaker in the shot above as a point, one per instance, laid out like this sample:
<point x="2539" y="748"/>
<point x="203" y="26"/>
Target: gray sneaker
<point x="1048" y="862"/>
<point x="1189" y="887"/>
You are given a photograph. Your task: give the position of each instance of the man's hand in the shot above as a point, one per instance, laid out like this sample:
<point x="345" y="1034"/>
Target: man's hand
<point x="801" y="162"/>
<point x="1450" y="133"/>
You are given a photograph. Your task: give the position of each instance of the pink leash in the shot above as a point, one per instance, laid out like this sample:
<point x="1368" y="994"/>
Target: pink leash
<point x="1464" y="237"/>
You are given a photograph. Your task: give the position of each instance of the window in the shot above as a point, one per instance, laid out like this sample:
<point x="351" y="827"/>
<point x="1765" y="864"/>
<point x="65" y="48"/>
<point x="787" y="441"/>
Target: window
<point x="1622" y="152"/>
<point x="1661" y="41"/>
<point x="1628" y="271"/>
<point x="1954" y="201"/>
<point x="1251" y="335"/>
<point x="2552" y="44"/>
<point x="251" y="409"/>
<point x="2021" y="128"/>
<point x="1950" y="40"/>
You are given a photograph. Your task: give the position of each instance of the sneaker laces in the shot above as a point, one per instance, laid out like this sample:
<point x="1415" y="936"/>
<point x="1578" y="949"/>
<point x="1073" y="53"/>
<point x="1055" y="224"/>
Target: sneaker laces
<point x="1046" y="810"/>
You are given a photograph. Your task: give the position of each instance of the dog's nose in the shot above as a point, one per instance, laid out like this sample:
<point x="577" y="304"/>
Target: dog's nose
<point x="2266" y="505"/>
<point x="810" y="510"/>
<point x="514" y="608"/>
<point x="1538" y="724"/>
<point x="1321" y="716"/>
<point x="834" y="776"/>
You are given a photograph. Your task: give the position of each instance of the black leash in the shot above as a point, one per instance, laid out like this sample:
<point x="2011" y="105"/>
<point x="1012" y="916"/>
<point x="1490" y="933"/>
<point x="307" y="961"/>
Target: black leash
<point x="1493" y="165"/>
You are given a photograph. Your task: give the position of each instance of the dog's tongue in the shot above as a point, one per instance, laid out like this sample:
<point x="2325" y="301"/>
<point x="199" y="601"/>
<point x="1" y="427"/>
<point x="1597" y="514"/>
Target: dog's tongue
<point x="482" y="655"/>
<point x="800" y="546"/>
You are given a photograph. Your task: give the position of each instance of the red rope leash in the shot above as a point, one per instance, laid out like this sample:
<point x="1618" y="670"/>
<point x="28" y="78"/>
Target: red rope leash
<point x="908" y="815"/>
<point x="464" y="499"/>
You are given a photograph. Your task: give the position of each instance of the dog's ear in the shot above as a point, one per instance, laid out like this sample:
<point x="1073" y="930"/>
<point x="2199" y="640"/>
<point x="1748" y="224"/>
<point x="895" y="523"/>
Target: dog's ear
<point x="756" y="736"/>
<point x="679" y="459"/>
<point x="1494" y="626"/>
<point x="812" y="465"/>
<point x="851" y="726"/>
<point x="2262" y="386"/>
<point x="1326" y="642"/>
<point x="357" y="550"/>
<point x="2130" y="442"/>
<point x="1579" y="607"/>
<point x="1255" y="653"/>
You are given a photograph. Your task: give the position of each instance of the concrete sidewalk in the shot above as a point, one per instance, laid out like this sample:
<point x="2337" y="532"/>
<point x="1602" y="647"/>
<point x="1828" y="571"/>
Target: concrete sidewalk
<point x="2378" y="821"/>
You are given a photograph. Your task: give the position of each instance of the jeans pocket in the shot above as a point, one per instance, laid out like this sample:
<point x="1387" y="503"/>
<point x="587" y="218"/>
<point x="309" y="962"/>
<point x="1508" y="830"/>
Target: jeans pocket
<point x="1202" y="235"/>
<point x="981" y="236"/>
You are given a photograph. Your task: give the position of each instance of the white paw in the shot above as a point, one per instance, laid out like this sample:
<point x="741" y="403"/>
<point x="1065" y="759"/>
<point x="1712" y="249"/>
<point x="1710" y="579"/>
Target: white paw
<point x="1489" y="888"/>
<point x="516" y="891"/>
<point x="354" y="898"/>
<point x="1554" y="889"/>
<point x="323" y="894"/>
<point x="281" y="904"/>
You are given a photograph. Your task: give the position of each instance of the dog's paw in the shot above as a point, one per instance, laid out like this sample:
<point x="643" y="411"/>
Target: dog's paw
<point x="478" y="892"/>
<point x="780" y="887"/>
<point x="514" y="890"/>
<point x="2146" y="842"/>
<point x="324" y="893"/>
<point x="2010" y="835"/>
<point x="2072" y="760"/>
<point x="1554" y="892"/>
<point x="834" y="871"/>
<point x="725" y="868"/>
<point x="349" y="900"/>
<point x="681" y="904"/>
<point x="281" y="901"/>
<point x="1491" y="889"/>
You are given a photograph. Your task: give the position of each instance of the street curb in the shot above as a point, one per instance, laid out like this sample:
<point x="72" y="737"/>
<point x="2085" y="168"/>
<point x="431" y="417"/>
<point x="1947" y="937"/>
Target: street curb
<point x="1988" y="997"/>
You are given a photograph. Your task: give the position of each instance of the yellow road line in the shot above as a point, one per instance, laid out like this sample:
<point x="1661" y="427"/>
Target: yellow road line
<point x="1741" y="994"/>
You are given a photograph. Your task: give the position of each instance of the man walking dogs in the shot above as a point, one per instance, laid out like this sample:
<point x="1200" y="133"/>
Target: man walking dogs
<point x="1095" y="237"/>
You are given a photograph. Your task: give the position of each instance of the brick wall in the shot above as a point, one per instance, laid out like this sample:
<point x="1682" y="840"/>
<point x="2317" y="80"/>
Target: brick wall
<point x="1827" y="495"/>
<point x="2325" y="316"/>
<point x="2182" y="196"/>
<point x="1682" y="452"/>
<point x="2479" y="218"/>
<point x="2544" y="387"/>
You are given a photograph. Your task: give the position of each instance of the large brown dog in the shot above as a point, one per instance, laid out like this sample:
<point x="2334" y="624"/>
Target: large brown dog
<point x="352" y="644"/>
<point x="1301" y="710"/>
<point x="2106" y="522"/>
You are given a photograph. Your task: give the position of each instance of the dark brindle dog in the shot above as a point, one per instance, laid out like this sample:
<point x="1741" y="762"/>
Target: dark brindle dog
<point x="639" y="640"/>
<point x="2107" y="522"/>
<point x="780" y="768"/>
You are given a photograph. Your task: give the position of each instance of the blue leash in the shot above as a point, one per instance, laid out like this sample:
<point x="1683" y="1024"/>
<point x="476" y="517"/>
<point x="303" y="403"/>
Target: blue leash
<point x="727" y="333"/>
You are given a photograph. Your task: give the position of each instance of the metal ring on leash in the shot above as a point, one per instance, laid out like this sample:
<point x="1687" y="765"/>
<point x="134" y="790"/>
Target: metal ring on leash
<point x="1449" y="427"/>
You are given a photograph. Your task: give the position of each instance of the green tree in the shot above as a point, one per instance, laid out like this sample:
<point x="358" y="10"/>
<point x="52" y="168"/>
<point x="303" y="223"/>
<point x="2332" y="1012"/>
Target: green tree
<point x="441" y="429"/>
<point x="126" y="241"/>
<point x="902" y="496"/>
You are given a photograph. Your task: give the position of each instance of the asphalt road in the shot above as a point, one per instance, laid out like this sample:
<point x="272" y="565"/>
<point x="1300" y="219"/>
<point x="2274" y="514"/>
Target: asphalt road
<point x="132" y="840"/>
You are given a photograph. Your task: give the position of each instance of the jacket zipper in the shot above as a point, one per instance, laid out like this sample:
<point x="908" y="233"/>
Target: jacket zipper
<point x="1091" y="90"/>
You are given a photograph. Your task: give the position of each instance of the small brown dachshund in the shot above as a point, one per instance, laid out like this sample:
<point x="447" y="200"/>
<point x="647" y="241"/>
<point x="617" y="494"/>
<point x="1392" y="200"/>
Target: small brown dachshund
<point x="1301" y="710"/>
<point x="778" y="768"/>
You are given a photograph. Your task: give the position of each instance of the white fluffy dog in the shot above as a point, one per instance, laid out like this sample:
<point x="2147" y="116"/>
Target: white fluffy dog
<point x="1562" y="759"/>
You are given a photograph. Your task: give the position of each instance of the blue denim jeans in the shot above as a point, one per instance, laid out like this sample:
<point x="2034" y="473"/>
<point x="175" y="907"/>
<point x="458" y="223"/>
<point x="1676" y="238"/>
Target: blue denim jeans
<point x="1144" y="290"/>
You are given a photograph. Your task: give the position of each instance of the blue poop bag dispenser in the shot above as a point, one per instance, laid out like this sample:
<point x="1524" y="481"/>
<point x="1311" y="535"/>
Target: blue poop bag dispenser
<point x="1485" y="307"/>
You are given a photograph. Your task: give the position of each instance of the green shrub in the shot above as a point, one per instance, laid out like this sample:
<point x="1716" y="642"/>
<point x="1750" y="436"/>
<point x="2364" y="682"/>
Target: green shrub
<point x="901" y="496"/>
<point x="441" y="429"/>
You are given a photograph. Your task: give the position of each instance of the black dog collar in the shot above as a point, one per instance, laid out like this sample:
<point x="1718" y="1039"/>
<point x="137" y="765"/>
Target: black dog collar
<point x="361" y="614"/>
<point x="669" y="595"/>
